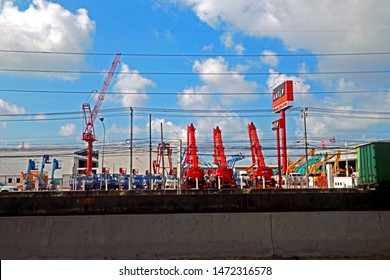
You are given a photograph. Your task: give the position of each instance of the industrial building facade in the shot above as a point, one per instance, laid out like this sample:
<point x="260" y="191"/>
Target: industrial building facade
<point x="15" y="161"/>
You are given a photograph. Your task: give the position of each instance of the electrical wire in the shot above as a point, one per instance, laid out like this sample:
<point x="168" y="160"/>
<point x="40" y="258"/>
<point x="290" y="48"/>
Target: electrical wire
<point x="152" y="73"/>
<point x="193" y="54"/>
<point x="189" y="93"/>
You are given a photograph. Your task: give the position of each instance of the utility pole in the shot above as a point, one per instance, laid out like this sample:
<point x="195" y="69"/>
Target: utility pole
<point x="179" y="167"/>
<point x="131" y="150"/>
<point x="304" y="115"/>
<point x="162" y="155"/>
<point x="150" y="152"/>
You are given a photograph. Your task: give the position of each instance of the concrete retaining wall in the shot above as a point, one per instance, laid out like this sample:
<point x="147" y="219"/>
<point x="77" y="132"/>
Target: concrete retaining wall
<point x="350" y="234"/>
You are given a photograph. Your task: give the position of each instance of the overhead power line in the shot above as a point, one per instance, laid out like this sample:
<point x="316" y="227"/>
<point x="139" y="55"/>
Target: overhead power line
<point x="194" y="113"/>
<point x="52" y="71"/>
<point x="195" y="54"/>
<point x="187" y="93"/>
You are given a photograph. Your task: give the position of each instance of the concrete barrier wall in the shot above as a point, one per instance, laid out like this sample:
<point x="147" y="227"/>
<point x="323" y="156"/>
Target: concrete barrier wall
<point x="206" y="235"/>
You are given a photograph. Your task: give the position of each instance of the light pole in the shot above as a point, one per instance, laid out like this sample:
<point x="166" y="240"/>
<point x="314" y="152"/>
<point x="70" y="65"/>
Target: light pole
<point x="304" y="115"/>
<point x="101" y="118"/>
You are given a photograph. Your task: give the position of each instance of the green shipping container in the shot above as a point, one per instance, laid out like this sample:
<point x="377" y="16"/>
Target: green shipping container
<point x="374" y="164"/>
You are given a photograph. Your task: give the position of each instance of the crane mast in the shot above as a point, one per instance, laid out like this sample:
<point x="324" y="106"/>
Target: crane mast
<point x="90" y="115"/>
<point x="262" y="172"/>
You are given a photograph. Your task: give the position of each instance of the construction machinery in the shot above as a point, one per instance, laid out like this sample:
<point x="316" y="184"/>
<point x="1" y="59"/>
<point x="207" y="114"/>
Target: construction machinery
<point x="292" y="167"/>
<point x="163" y="150"/>
<point x="28" y="177"/>
<point x="43" y="183"/>
<point x="52" y="183"/>
<point x="319" y="167"/>
<point x="232" y="161"/>
<point x="223" y="174"/>
<point x="262" y="175"/>
<point x="90" y="115"/>
<point x="34" y="178"/>
<point x="194" y="175"/>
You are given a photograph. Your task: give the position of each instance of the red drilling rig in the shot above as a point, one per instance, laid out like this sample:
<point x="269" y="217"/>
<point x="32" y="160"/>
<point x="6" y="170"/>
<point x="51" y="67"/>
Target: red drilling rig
<point x="163" y="150"/>
<point x="262" y="172"/>
<point x="193" y="176"/>
<point x="90" y="116"/>
<point x="223" y="174"/>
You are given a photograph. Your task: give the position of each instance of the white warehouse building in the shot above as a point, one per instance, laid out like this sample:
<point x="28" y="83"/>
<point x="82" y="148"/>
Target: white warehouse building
<point x="15" y="161"/>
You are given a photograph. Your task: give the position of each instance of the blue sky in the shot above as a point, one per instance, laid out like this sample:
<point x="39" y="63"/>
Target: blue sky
<point x="255" y="45"/>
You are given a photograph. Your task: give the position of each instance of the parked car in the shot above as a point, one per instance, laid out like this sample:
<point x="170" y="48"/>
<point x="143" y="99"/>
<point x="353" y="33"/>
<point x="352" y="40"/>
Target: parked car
<point x="8" y="189"/>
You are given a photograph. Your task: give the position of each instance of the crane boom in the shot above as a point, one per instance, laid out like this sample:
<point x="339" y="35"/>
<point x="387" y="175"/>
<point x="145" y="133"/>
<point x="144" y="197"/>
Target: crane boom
<point x="223" y="174"/>
<point x="193" y="176"/>
<point x="257" y="154"/>
<point x="191" y="156"/>
<point x="105" y="86"/>
<point x="257" y="158"/>
<point x="219" y="150"/>
<point x="90" y="116"/>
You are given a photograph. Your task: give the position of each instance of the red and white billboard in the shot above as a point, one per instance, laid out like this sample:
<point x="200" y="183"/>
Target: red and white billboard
<point x="283" y="96"/>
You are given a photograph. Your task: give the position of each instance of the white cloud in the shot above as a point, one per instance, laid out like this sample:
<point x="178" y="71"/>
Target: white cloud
<point x="211" y="72"/>
<point x="228" y="41"/>
<point x="234" y="82"/>
<point x="43" y="27"/>
<point x="170" y="130"/>
<point x="130" y="81"/>
<point x="7" y="108"/>
<point x="193" y="98"/>
<point x="327" y="27"/>
<point x="68" y="129"/>
<point x="208" y="47"/>
<point x="299" y="85"/>
<point x="269" y="58"/>
<point x="41" y="117"/>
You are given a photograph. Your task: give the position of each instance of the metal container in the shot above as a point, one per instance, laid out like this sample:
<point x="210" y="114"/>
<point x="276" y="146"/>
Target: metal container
<point x="374" y="164"/>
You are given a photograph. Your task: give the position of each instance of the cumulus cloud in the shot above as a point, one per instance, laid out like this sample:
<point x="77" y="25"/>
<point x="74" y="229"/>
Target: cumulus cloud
<point x="234" y="82"/>
<point x="211" y="73"/>
<point x="192" y="97"/>
<point x="43" y="27"/>
<point x="171" y="130"/>
<point x="41" y="117"/>
<point x="228" y="41"/>
<point x="269" y="58"/>
<point x="327" y="27"/>
<point x="68" y="129"/>
<point x="130" y="81"/>
<point x="7" y="108"/>
<point x="299" y="84"/>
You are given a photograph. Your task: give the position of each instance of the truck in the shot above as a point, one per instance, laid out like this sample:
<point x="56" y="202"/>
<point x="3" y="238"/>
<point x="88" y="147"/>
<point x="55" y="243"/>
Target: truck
<point x="373" y="165"/>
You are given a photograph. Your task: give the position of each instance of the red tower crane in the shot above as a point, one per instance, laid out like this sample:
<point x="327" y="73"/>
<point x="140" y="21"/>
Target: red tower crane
<point x="262" y="170"/>
<point x="223" y="174"/>
<point x="194" y="175"/>
<point x="90" y="116"/>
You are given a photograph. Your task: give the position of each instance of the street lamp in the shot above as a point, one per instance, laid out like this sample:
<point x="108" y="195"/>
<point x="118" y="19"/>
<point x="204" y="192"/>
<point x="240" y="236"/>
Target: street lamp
<point x="101" y="118"/>
<point x="304" y="115"/>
